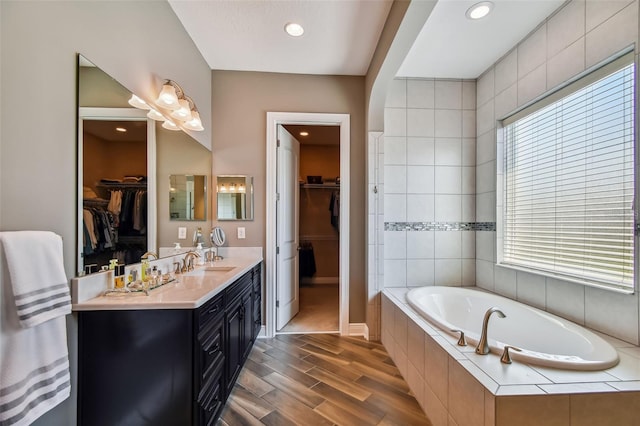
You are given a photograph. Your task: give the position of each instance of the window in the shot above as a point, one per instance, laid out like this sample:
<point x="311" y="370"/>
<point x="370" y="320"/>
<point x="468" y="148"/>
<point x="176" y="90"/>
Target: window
<point x="567" y="181"/>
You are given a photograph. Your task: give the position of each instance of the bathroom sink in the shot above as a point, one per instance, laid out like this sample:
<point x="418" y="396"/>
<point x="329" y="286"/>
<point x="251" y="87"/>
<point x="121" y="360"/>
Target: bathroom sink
<point x="219" y="268"/>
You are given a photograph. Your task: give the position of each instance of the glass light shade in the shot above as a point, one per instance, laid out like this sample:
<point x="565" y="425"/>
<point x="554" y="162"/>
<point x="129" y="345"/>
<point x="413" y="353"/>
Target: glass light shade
<point x="135" y="101"/>
<point x="170" y="125"/>
<point x="184" y="112"/>
<point x="155" y="115"/>
<point x="168" y="98"/>
<point x="195" y="123"/>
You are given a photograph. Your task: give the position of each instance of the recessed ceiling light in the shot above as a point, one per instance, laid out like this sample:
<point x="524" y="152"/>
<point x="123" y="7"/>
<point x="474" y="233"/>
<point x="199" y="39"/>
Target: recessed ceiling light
<point x="293" y="29"/>
<point x="479" y="10"/>
<point x="121" y="129"/>
<point x="304" y="133"/>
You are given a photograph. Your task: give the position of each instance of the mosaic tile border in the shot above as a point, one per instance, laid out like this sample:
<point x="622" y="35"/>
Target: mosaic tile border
<point x="439" y="226"/>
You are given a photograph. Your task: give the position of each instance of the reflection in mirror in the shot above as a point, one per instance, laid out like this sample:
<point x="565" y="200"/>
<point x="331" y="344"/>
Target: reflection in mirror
<point x="187" y="197"/>
<point x="235" y="197"/>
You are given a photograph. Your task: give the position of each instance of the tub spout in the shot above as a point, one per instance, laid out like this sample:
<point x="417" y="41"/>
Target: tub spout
<point x="483" y="345"/>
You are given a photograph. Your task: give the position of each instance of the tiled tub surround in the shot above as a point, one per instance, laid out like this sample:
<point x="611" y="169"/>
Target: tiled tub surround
<point x="455" y="386"/>
<point x="575" y="38"/>
<point x="428" y="165"/>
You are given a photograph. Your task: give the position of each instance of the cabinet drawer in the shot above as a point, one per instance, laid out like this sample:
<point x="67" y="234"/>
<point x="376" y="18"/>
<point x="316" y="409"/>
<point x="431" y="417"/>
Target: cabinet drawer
<point x="211" y="308"/>
<point x="211" y="394"/>
<point x="238" y="288"/>
<point x="210" y="336"/>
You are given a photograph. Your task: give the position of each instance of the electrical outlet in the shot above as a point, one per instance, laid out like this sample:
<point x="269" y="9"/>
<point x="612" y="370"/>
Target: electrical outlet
<point x="182" y="233"/>
<point x="241" y="234"/>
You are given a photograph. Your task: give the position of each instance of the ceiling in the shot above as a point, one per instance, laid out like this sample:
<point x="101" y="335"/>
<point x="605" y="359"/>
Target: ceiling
<point x="341" y="35"/>
<point x="318" y="135"/>
<point x="106" y="130"/>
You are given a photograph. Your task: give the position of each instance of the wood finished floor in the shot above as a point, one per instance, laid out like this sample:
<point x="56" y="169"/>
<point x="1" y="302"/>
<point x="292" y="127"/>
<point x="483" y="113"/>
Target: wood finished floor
<point x="320" y="379"/>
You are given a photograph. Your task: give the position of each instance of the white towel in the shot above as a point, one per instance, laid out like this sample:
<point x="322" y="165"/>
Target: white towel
<point x="34" y="362"/>
<point x="36" y="267"/>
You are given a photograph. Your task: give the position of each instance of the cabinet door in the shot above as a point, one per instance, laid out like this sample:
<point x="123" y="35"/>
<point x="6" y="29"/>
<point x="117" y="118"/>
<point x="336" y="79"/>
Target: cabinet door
<point x="247" y="325"/>
<point x="234" y="350"/>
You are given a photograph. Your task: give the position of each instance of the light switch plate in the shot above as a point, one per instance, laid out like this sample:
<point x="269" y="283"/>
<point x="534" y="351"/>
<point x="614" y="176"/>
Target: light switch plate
<point x="241" y="234"/>
<point x="182" y="233"/>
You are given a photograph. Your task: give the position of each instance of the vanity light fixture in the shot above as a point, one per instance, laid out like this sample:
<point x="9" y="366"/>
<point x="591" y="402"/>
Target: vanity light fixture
<point x="155" y="115"/>
<point x="304" y="133"/>
<point x="170" y="125"/>
<point x="242" y="189"/>
<point x="138" y="103"/>
<point x="223" y="188"/>
<point x="479" y="10"/>
<point x="293" y="29"/>
<point x="173" y="106"/>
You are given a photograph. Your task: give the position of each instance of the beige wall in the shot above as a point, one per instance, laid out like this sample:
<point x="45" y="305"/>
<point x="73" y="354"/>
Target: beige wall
<point x="240" y="103"/>
<point x="179" y="154"/>
<point x="39" y="43"/>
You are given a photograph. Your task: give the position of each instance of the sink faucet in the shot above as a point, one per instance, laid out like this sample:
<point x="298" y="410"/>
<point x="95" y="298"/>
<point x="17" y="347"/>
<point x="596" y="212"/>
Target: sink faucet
<point x="149" y="253"/>
<point x="188" y="261"/>
<point x="483" y="345"/>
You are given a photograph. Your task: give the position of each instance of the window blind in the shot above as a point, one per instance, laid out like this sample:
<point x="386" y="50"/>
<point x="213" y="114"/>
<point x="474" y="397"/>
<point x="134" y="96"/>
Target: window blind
<point x="568" y="184"/>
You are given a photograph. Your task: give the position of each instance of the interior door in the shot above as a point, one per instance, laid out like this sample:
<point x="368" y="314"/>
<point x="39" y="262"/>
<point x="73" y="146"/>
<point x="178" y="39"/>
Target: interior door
<point x="287" y="293"/>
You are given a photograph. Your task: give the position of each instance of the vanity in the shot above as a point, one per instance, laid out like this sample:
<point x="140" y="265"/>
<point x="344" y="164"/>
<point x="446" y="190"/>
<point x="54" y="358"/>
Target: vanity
<point x="172" y="357"/>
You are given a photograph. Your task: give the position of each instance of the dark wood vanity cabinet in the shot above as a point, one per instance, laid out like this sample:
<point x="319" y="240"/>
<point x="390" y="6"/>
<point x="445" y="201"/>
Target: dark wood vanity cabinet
<point x="166" y="366"/>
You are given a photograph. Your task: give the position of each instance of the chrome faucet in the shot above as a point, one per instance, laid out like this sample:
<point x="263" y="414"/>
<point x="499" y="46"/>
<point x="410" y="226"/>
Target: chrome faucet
<point x="188" y="261"/>
<point x="483" y="345"/>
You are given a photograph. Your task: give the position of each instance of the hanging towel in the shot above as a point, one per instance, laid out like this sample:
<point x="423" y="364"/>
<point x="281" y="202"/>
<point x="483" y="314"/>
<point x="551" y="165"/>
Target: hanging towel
<point x="34" y="361"/>
<point x="38" y="280"/>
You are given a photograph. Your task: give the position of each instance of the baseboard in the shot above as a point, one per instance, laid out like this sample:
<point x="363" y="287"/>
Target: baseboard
<point x="359" y="329"/>
<point x="263" y="332"/>
<point x="319" y="280"/>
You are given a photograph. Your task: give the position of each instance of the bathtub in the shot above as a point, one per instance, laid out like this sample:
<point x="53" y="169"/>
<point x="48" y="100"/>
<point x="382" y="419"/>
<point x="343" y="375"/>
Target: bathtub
<point x="545" y="339"/>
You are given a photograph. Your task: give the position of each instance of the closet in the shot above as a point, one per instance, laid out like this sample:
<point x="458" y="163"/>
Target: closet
<point x="319" y="233"/>
<point x="114" y="191"/>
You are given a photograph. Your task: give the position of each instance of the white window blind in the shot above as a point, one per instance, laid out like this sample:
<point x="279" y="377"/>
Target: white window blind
<point x="568" y="182"/>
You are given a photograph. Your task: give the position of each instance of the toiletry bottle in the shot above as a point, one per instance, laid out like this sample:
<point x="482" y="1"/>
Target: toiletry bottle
<point x="200" y="251"/>
<point x="144" y="265"/>
<point x="119" y="276"/>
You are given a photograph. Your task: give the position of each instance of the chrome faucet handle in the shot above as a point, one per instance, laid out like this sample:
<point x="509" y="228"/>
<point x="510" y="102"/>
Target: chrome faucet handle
<point x="461" y="341"/>
<point x="506" y="358"/>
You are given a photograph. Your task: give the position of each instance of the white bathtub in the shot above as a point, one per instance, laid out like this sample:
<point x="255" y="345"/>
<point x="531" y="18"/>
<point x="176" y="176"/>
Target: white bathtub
<point x="544" y="338"/>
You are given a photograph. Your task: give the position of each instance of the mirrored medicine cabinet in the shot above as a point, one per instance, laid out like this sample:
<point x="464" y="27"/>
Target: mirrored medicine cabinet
<point x="188" y="197"/>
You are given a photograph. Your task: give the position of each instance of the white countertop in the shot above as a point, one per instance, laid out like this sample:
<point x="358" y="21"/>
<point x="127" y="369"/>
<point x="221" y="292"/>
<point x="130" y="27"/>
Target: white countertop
<point x="190" y="290"/>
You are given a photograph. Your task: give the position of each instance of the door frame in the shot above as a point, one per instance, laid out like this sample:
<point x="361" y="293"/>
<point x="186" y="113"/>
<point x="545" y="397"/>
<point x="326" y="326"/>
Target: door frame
<point x="316" y="119"/>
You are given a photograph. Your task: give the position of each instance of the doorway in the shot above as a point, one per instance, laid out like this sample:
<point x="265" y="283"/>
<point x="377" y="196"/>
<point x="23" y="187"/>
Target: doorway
<point x="318" y="242"/>
<point x="284" y="297"/>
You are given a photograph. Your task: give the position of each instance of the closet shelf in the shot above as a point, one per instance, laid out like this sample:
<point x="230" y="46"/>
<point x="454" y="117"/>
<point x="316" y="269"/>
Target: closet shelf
<point x="320" y="185"/>
<point x="95" y="202"/>
<point x="319" y="238"/>
<point x="122" y="185"/>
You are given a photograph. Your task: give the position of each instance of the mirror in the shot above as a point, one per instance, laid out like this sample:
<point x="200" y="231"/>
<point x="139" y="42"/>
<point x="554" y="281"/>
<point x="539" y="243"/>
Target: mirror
<point x="187" y="197"/>
<point x="235" y="197"/>
<point x="103" y="100"/>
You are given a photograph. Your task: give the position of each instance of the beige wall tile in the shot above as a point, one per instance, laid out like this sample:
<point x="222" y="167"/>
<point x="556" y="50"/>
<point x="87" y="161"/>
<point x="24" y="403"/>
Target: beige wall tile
<point x="566" y="299"/>
<point x="486" y="147"/>
<point x="420" y="93"/>
<point x="400" y="328"/>
<point x="485" y="87"/>
<point x="448" y="94"/>
<point x="532" y="85"/>
<point x="532" y="52"/>
<point x="433" y="408"/>
<point x="485" y="118"/>
<point x="506" y="71"/>
<point x="533" y="410"/>
<point x="565" y="27"/>
<point x="566" y="64"/>
<point x="612" y="313"/>
<point x="489" y="408"/>
<point x="416" y="347"/>
<point x="448" y="123"/>
<point x="436" y="369"/>
<point x="469" y="95"/>
<point x="618" y="32"/>
<point x="506" y="102"/>
<point x="416" y="383"/>
<point x="466" y="396"/>
<point x="598" y="11"/>
<point x="420" y="122"/>
<point x="619" y="409"/>
<point x="397" y="94"/>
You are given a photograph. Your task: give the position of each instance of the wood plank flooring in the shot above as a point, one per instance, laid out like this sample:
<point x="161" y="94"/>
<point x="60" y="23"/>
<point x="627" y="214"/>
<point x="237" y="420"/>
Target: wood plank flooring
<point x="320" y="379"/>
<point x="319" y="310"/>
